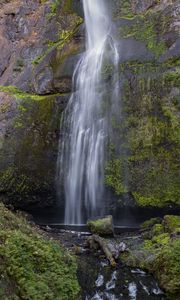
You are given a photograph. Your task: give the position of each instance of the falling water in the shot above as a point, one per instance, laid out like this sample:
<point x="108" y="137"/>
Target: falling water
<point x="85" y="122"/>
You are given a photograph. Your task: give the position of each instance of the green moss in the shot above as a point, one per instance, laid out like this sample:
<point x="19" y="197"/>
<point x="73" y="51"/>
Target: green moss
<point x="67" y="7"/>
<point x="149" y="133"/>
<point x="33" y="128"/>
<point x="33" y="267"/>
<point x="54" y="6"/>
<point x="114" y="176"/>
<point x="171" y="222"/>
<point x="148" y="28"/>
<point x="146" y="201"/>
<point x="173" y="77"/>
<point x="101" y="226"/>
<point x="161" y="239"/>
<point x="159" y="255"/>
<point x="167" y="266"/>
<point x="147" y="225"/>
<point x="123" y="9"/>
<point x="63" y="37"/>
<point x="19" y="94"/>
<point x="148" y="244"/>
<point x="157" y="229"/>
<point x="15" y="182"/>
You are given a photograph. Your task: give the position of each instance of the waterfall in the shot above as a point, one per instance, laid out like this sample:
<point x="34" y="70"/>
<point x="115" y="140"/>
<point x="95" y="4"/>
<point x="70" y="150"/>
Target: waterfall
<point x="84" y="128"/>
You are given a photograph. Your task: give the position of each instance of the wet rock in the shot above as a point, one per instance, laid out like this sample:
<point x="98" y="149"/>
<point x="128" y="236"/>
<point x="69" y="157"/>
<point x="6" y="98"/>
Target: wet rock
<point x="116" y="249"/>
<point x="29" y="133"/>
<point x="5" y="54"/>
<point x="102" y="226"/>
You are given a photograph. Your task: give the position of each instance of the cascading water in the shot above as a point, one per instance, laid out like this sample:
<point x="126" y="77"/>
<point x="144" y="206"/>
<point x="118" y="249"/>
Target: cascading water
<point x="85" y="121"/>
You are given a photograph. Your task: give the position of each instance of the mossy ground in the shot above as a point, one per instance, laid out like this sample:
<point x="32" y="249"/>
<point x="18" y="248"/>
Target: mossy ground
<point x="159" y="253"/>
<point x="33" y="266"/>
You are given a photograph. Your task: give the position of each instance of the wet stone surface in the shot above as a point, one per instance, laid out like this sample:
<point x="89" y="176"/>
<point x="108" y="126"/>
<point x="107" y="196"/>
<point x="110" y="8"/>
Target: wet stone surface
<point x="98" y="280"/>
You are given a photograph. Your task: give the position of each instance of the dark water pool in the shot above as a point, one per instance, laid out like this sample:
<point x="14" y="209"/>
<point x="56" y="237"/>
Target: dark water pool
<point x="125" y="217"/>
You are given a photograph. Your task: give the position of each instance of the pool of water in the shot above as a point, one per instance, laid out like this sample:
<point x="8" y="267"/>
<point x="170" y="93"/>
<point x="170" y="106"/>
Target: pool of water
<point x="130" y="217"/>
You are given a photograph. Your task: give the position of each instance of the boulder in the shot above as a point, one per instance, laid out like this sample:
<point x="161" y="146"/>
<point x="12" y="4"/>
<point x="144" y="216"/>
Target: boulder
<point x="102" y="226"/>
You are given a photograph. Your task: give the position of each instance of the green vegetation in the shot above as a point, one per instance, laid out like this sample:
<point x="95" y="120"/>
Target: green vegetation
<point x="66" y="7"/>
<point x="31" y="265"/>
<point x="147" y="225"/>
<point x="148" y="132"/>
<point x="123" y="9"/>
<point x="32" y="128"/>
<point x="103" y="226"/>
<point x="144" y="29"/>
<point x="148" y="26"/>
<point x="63" y="37"/>
<point x="114" y="176"/>
<point x="54" y="6"/>
<point x="173" y="77"/>
<point x="19" y="94"/>
<point x="159" y="253"/>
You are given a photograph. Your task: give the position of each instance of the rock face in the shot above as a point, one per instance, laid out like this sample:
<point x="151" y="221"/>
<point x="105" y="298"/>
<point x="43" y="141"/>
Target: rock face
<point x="144" y="145"/>
<point x="40" y="42"/>
<point x="39" y="46"/>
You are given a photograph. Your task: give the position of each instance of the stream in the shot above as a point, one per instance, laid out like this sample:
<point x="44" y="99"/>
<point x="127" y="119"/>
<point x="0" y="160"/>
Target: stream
<point x="98" y="280"/>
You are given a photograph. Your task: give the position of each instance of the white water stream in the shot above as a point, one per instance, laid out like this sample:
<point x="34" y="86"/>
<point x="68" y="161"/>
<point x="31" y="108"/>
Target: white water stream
<point x="85" y="124"/>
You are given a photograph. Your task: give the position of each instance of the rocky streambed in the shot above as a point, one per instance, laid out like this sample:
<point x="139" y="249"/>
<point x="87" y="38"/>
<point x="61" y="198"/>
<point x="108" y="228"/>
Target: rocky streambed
<point x="98" y="280"/>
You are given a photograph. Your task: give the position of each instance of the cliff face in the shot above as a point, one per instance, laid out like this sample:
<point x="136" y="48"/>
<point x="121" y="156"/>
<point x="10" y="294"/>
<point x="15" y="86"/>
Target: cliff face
<point x="40" y="42"/>
<point x="145" y="140"/>
<point x="39" y="45"/>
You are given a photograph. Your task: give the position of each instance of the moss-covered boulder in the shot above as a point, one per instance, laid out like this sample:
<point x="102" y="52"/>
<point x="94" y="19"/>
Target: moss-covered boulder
<point x="32" y="266"/>
<point x="102" y="226"/>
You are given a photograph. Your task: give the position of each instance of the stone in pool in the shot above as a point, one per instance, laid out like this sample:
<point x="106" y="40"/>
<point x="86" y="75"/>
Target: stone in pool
<point x="101" y="226"/>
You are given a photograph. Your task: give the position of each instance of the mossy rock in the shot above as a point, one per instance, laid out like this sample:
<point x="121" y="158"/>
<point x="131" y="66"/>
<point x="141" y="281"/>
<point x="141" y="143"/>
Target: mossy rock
<point x="101" y="226"/>
<point x="29" y="147"/>
<point x="157" y="229"/>
<point x="147" y="225"/>
<point x="171" y="222"/>
<point x="159" y="254"/>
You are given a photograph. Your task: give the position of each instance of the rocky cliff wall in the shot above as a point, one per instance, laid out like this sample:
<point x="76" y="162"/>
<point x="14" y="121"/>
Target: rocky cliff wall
<point x="39" y="46"/>
<point x="145" y="138"/>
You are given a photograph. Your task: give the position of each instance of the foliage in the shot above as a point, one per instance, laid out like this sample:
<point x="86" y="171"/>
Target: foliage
<point x="149" y="135"/>
<point x="13" y="90"/>
<point x="150" y="223"/>
<point x="33" y="266"/>
<point x="173" y="77"/>
<point x="148" y="27"/>
<point x="114" y="176"/>
<point x="54" y="6"/>
<point x="159" y="253"/>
